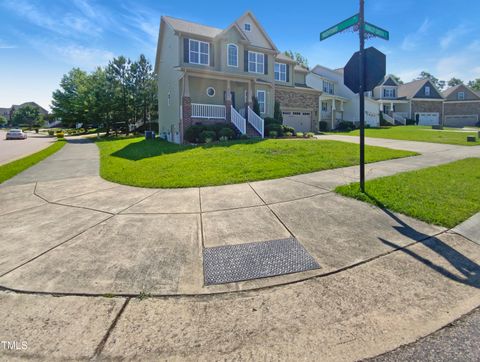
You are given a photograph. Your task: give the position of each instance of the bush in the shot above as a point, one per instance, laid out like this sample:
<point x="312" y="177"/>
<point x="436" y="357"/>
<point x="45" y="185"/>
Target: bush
<point x="272" y="134"/>
<point x="270" y="120"/>
<point x="288" y="129"/>
<point x="323" y="126"/>
<point x="411" y="122"/>
<point x="207" y="136"/>
<point x="60" y="135"/>
<point x="345" y="126"/>
<point x="288" y="134"/>
<point x="274" y="127"/>
<point x="309" y="134"/>
<point x="226" y="132"/>
<point x="244" y="137"/>
<point x="51" y="132"/>
<point x="192" y="133"/>
<point x="300" y="134"/>
<point x="223" y="139"/>
<point x="277" y="112"/>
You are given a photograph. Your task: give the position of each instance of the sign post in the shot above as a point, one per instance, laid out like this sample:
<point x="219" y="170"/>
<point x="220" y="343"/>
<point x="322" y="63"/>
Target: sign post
<point x="362" y="77"/>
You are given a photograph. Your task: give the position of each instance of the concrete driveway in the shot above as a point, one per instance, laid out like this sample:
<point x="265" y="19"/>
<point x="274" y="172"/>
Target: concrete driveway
<point x="382" y="279"/>
<point x="14" y="149"/>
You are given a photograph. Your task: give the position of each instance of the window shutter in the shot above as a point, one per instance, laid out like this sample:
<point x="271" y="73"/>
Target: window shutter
<point x="288" y="72"/>
<point x="265" y="63"/>
<point x="212" y="54"/>
<point x="185" y="50"/>
<point x="245" y="60"/>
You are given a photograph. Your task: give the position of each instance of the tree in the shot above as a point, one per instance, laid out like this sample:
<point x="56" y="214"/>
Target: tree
<point x="475" y="84"/>
<point x="438" y="83"/>
<point x="396" y="78"/>
<point x="277" y="112"/>
<point x="3" y="121"/>
<point x="120" y="78"/>
<point x="255" y="105"/>
<point x="25" y="115"/>
<point x="454" y="82"/>
<point x="299" y="58"/>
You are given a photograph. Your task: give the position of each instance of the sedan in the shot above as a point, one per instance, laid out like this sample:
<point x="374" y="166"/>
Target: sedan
<point x="16" y="134"/>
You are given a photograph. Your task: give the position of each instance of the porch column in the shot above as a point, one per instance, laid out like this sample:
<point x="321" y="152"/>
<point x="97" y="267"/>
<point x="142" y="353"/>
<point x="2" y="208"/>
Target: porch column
<point x="228" y="102"/>
<point x="334" y="111"/>
<point x="391" y="107"/>
<point x="248" y="102"/>
<point x="186" y="116"/>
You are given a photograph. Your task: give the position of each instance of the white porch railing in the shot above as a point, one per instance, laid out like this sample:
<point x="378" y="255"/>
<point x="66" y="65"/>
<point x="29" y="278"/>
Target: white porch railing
<point x="213" y="111"/>
<point x="256" y="121"/>
<point x="238" y="121"/>
<point x="400" y="117"/>
<point x="389" y="119"/>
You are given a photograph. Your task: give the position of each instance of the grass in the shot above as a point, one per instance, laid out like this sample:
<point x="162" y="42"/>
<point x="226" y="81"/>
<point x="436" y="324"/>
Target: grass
<point x="156" y="163"/>
<point x="13" y="168"/>
<point x="444" y="195"/>
<point x="420" y="133"/>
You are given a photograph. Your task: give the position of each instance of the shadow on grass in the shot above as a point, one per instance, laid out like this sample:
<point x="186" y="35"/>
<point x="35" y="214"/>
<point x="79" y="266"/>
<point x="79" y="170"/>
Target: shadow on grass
<point x="465" y="266"/>
<point x="152" y="148"/>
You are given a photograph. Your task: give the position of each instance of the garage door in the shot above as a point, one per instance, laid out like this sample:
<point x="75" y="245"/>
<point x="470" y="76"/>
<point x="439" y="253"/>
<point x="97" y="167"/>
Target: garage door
<point x="428" y="119"/>
<point x="300" y="120"/>
<point x="461" y="121"/>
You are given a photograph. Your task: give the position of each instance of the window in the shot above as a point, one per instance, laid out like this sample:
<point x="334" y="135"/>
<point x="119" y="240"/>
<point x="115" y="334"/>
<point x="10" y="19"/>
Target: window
<point x="324" y="106"/>
<point x="210" y="91"/>
<point x="461" y="96"/>
<point x="232" y="55"/>
<point x="281" y="72"/>
<point x="427" y="90"/>
<point x="247" y="27"/>
<point x="328" y="87"/>
<point x="199" y="52"/>
<point x="389" y="92"/>
<point x="261" y="100"/>
<point x="255" y="62"/>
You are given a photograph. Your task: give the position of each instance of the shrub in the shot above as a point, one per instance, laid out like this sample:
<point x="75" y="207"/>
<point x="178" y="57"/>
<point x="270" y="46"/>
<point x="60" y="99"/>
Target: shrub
<point x="192" y="133"/>
<point x="51" y="132"/>
<point x="207" y="136"/>
<point x="223" y="139"/>
<point x="274" y="127"/>
<point x="309" y="134"/>
<point x="270" y="120"/>
<point x="411" y="122"/>
<point x="288" y="129"/>
<point x="272" y="134"/>
<point x="300" y="134"/>
<point x="277" y="113"/>
<point x="226" y="132"/>
<point x="288" y="134"/>
<point x="60" y="135"/>
<point x="244" y="137"/>
<point x="345" y="126"/>
<point x="323" y="126"/>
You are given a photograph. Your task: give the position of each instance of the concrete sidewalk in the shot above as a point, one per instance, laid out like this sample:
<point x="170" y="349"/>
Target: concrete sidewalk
<point x="71" y="233"/>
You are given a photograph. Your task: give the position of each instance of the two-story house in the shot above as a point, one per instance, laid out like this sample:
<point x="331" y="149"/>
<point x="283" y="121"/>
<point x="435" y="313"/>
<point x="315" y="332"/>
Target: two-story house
<point x="337" y="102"/>
<point x="419" y="100"/>
<point x="207" y="74"/>
<point x="461" y="106"/>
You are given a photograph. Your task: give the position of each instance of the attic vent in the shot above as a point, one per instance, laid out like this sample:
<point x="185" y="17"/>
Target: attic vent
<point x="247" y="27"/>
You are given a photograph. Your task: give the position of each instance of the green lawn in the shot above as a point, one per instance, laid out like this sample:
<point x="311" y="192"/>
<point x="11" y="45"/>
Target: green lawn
<point x="13" y="168"/>
<point x="156" y="163"/>
<point x="419" y="133"/>
<point x="444" y="195"/>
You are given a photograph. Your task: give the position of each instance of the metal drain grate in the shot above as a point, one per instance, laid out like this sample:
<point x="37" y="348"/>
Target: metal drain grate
<point x="235" y="263"/>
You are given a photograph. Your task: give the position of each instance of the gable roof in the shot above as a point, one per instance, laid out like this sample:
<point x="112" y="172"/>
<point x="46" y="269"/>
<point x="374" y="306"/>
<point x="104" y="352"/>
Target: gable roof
<point x="189" y="27"/>
<point x="285" y="58"/>
<point x="389" y="81"/>
<point x="409" y="90"/>
<point x="260" y="27"/>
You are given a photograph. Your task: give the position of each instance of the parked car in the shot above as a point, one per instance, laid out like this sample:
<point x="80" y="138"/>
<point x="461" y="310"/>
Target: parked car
<point x="16" y="134"/>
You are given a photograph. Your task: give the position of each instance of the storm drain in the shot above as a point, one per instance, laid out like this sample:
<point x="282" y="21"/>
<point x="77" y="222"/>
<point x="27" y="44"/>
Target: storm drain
<point x="235" y="263"/>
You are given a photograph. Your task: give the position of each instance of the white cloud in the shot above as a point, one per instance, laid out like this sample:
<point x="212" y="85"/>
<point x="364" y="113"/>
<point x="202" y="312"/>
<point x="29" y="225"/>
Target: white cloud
<point x="83" y="56"/>
<point x="412" y="40"/>
<point x="408" y="75"/>
<point x="463" y="65"/>
<point x="453" y="34"/>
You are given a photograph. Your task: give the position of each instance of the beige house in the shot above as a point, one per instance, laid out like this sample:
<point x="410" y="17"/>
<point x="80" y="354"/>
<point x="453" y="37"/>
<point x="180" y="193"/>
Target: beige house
<point x="461" y="107"/>
<point x="209" y="75"/>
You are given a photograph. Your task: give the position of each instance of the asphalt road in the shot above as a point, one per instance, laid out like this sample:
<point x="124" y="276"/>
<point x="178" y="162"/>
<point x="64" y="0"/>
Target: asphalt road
<point x="14" y="149"/>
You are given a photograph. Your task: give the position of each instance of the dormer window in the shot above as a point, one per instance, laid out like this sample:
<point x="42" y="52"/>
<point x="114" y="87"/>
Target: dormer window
<point x="389" y="92"/>
<point x="199" y="52"/>
<point x="328" y="87"/>
<point x="427" y="90"/>
<point x="247" y="27"/>
<point x="232" y="55"/>
<point x="461" y="96"/>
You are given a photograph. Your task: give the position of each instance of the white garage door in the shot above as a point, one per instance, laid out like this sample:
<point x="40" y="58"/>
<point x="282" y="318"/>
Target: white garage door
<point x="300" y="120"/>
<point x="428" y="119"/>
<point x="461" y="121"/>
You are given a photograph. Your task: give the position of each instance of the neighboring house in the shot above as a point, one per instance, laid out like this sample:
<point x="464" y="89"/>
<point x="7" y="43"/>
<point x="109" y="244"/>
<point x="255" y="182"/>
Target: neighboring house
<point x="338" y="102"/>
<point x="208" y="75"/>
<point x="8" y="112"/>
<point x="461" y="106"/>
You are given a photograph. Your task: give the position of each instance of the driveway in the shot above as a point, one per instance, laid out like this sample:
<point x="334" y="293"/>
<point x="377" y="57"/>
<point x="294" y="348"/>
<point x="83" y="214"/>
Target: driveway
<point x="359" y="279"/>
<point x="14" y="149"/>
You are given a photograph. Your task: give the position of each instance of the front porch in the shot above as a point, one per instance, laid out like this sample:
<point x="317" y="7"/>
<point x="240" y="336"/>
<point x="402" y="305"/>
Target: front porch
<point x="394" y="111"/>
<point x="332" y="109"/>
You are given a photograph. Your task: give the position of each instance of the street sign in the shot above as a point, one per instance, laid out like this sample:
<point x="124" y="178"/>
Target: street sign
<point x="376" y="31"/>
<point x="375" y="69"/>
<point x="339" y="27"/>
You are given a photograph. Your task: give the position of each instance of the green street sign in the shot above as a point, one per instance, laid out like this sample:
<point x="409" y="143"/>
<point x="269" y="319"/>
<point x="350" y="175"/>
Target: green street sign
<point x="339" y="27"/>
<point x="375" y="30"/>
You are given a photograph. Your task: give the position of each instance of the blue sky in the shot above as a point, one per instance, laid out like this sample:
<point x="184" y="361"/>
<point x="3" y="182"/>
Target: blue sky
<point x="42" y="40"/>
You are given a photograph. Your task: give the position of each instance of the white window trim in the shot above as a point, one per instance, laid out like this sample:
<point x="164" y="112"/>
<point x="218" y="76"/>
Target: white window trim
<point x="249" y="26"/>
<point x="388" y="89"/>
<point x="199" y="53"/>
<point x="280" y="72"/>
<point x="256" y="62"/>
<point x="462" y="98"/>
<point x="331" y="86"/>
<point x="214" y="91"/>
<point x="228" y="55"/>
<point x="264" y="101"/>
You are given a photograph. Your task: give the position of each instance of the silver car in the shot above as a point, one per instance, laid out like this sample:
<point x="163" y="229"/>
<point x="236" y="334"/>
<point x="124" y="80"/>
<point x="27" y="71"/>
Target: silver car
<point x="16" y="134"/>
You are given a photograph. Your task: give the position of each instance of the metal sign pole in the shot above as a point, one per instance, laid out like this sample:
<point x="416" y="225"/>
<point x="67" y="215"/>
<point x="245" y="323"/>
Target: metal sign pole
<point x="361" y="95"/>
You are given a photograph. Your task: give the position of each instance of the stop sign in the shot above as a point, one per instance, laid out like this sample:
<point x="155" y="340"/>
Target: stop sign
<point x="375" y="69"/>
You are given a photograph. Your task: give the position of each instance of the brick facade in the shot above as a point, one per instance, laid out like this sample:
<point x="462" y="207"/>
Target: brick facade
<point x="462" y="109"/>
<point x="427" y="107"/>
<point x="297" y="99"/>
